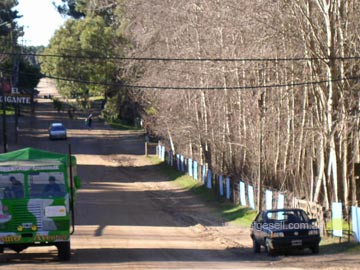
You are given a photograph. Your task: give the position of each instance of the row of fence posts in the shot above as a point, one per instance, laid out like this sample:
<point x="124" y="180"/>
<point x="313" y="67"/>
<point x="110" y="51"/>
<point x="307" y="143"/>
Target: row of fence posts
<point x="243" y="193"/>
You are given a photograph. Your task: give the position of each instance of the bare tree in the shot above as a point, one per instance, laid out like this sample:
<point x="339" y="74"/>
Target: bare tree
<point x="311" y="122"/>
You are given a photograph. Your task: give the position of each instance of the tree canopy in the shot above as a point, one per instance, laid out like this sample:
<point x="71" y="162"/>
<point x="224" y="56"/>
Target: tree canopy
<point x="85" y="71"/>
<point x="19" y="70"/>
<point x="71" y="8"/>
<point x="7" y="16"/>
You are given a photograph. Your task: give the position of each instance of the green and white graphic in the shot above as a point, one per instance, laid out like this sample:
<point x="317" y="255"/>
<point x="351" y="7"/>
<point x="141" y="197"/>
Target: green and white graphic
<point x="37" y="191"/>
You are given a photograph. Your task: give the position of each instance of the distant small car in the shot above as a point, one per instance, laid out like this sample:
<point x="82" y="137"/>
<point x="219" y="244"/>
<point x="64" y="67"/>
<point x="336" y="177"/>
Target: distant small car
<point x="284" y="230"/>
<point x="57" y="131"/>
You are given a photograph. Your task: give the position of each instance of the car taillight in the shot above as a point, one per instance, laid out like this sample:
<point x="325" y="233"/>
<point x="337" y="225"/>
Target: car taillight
<point x="277" y="234"/>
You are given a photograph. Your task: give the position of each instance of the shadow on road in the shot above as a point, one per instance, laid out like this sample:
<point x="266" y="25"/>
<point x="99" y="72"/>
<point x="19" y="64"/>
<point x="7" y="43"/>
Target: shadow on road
<point x="128" y="255"/>
<point x="129" y="195"/>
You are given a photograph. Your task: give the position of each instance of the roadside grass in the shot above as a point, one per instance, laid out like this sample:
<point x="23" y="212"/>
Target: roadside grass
<point x="333" y="245"/>
<point x="345" y="225"/>
<point x="239" y="215"/>
<point x="120" y="125"/>
<point x="233" y="214"/>
<point x="8" y="112"/>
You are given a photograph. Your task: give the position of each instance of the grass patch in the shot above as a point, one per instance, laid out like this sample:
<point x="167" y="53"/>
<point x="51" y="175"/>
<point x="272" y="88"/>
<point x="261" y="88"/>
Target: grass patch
<point x="8" y="112"/>
<point x="239" y="215"/>
<point x="345" y="225"/>
<point x="333" y="245"/>
<point x="234" y="214"/>
<point x="119" y="125"/>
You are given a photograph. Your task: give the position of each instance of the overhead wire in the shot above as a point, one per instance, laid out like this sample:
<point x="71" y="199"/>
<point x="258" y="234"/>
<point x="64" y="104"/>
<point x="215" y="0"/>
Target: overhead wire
<point x="264" y="86"/>
<point x="120" y="84"/>
<point x="116" y="57"/>
<point x="155" y="87"/>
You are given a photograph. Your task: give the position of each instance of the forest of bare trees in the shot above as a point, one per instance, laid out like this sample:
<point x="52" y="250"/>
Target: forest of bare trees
<point x="251" y="88"/>
<point x="290" y="101"/>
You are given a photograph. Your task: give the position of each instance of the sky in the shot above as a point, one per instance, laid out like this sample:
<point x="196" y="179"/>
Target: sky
<point x="40" y="20"/>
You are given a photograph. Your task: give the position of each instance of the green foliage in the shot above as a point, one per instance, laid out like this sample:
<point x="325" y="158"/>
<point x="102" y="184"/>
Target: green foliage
<point x="30" y="52"/>
<point x="72" y="8"/>
<point x="84" y="39"/>
<point x="57" y="104"/>
<point x="111" y="110"/>
<point x="29" y="76"/>
<point x="29" y="73"/>
<point x="120" y="125"/>
<point x="90" y="72"/>
<point x="7" y="16"/>
<point x="151" y="111"/>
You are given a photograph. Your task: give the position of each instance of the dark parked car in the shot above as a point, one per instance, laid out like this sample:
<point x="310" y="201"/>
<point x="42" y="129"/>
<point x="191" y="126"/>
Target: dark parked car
<point x="57" y="131"/>
<point x="283" y="230"/>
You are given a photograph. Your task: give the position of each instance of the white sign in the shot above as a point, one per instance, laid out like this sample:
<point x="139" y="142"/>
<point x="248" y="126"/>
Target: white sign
<point x="55" y="211"/>
<point x="242" y="193"/>
<point x="268" y="199"/>
<point x="251" y="196"/>
<point x="336" y="211"/>
<point x="27" y="168"/>
<point x="16" y="99"/>
<point x="355" y="218"/>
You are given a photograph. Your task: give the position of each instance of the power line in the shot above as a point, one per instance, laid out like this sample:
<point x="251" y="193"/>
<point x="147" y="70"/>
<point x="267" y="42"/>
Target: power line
<point x="251" y="87"/>
<point x="115" y="57"/>
<point x="203" y="88"/>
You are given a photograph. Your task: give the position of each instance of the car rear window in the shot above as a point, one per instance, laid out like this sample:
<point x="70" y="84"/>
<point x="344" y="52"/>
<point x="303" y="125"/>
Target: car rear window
<point x="57" y="128"/>
<point x="287" y="216"/>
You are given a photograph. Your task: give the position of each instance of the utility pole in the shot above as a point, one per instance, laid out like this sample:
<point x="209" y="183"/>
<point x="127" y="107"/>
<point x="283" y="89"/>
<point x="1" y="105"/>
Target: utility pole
<point x="14" y="80"/>
<point x="3" y="112"/>
<point x="260" y="160"/>
<point x="357" y="183"/>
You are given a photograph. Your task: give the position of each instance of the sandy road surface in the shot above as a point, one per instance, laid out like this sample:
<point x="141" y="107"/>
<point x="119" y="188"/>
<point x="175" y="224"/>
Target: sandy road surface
<point x="129" y="216"/>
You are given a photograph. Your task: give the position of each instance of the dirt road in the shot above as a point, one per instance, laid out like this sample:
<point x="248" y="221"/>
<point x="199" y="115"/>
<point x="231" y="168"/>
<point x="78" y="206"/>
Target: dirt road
<point x="130" y="216"/>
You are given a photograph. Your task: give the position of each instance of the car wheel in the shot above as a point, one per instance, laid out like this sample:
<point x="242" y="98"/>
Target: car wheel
<point x="256" y="246"/>
<point x="315" y="249"/>
<point x="64" y="251"/>
<point x="269" y="250"/>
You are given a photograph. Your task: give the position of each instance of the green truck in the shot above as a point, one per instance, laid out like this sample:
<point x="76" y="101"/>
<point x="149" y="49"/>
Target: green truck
<point x="37" y="193"/>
